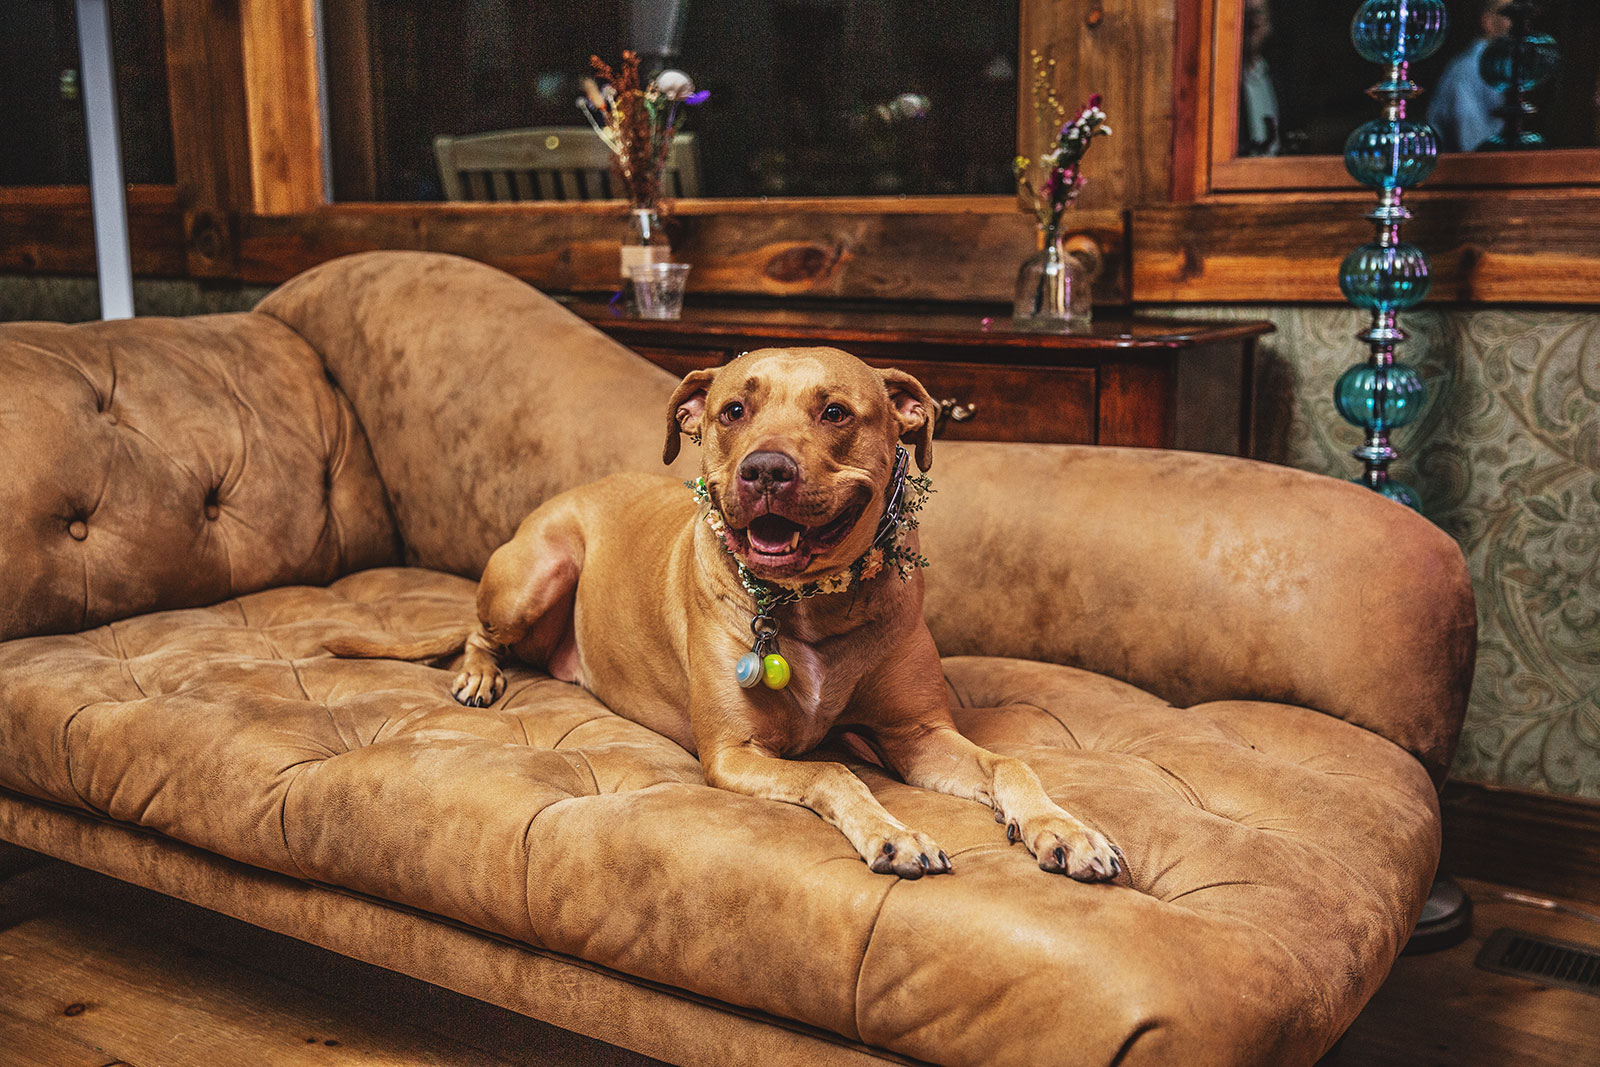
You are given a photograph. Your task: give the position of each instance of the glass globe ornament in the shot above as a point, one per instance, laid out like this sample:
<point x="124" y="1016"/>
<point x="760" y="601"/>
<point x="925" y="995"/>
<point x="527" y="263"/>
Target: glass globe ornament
<point x="1500" y="65"/>
<point x="1390" y="154"/>
<point x="1380" y="397"/>
<point x="1398" y="31"/>
<point x="1378" y="277"/>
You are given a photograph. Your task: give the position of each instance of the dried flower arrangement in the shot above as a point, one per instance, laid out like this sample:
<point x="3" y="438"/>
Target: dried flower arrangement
<point x="637" y="123"/>
<point x="1060" y="177"/>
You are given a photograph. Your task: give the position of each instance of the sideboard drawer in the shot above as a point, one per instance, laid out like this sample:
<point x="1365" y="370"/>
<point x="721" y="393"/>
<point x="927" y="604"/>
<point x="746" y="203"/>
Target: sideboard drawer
<point x="1006" y="403"/>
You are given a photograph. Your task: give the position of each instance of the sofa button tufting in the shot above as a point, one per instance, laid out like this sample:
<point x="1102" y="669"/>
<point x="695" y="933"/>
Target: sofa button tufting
<point x="78" y="529"/>
<point x="212" y="511"/>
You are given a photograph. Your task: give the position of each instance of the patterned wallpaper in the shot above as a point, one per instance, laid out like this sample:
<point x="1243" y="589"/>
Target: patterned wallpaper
<point x="1506" y="459"/>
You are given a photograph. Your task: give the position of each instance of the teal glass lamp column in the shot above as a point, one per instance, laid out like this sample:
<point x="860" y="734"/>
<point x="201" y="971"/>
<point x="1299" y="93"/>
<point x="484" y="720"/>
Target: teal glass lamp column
<point x="1387" y="275"/>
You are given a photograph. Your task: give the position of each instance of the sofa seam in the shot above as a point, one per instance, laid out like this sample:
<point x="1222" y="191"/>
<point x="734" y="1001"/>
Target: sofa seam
<point x="127" y="664"/>
<point x="861" y="968"/>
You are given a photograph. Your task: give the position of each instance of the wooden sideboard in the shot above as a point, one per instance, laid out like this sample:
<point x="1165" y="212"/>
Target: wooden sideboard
<point x="1123" y="381"/>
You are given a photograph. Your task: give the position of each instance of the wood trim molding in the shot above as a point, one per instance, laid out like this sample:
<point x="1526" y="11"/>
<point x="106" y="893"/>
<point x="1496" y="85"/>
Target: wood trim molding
<point x="1558" y="167"/>
<point x="205" y="83"/>
<point x="283" y="104"/>
<point x="1510" y="247"/>
<point x="1538" y="841"/>
<point x="800" y="249"/>
<point x="52" y="232"/>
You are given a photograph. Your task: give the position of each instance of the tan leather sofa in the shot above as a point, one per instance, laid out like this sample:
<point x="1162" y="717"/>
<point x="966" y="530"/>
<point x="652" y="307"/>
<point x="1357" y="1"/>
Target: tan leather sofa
<point x="1250" y="677"/>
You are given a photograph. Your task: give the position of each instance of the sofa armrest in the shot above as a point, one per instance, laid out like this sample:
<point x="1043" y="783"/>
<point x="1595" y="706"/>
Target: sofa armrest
<point x="481" y="396"/>
<point x="1205" y="578"/>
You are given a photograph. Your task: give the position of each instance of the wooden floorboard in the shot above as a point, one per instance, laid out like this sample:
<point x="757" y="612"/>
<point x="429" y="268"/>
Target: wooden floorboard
<point x="1440" y="1010"/>
<point x="94" y="972"/>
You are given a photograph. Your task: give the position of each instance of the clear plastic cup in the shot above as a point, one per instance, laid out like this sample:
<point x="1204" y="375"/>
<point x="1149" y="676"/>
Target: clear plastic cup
<point x="658" y="289"/>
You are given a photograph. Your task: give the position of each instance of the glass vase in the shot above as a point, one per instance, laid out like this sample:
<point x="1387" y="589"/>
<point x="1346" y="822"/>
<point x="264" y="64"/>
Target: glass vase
<point x="643" y="242"/>
<point x="1052" y="289"/>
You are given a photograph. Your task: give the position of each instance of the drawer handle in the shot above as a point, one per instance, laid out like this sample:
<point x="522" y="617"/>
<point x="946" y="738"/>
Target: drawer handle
<point x="953" y="410"/>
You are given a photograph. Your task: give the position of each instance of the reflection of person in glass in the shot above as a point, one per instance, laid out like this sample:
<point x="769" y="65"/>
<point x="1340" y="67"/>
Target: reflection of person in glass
<point x="1258" y="100"/>
<point x="1463" y="105"/>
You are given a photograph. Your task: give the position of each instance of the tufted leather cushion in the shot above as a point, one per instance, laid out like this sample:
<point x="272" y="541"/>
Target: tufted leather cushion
<point x="172" y="462"/>
<point x="1278" y="855"/>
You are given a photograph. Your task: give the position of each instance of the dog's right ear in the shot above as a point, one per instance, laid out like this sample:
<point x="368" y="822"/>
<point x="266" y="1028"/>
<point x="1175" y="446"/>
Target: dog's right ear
<point x="685" y="410"/>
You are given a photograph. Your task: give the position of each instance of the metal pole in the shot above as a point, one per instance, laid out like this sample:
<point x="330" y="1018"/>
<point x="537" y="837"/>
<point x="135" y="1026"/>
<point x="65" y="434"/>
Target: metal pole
<point x="105" y="160"/>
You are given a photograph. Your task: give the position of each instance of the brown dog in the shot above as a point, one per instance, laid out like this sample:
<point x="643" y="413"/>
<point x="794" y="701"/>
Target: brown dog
<point x="626" y="588"/>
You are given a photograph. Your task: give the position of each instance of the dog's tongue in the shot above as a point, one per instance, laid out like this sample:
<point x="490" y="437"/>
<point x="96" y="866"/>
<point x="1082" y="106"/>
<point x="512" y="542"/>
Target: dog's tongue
<point x="773" y="535"/>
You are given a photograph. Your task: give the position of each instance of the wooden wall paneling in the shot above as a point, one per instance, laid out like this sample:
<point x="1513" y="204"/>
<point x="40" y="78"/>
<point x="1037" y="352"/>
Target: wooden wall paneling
<point x="1537" y="841"/>
<point x="205" y="79"/>
<point x="283" y="104"/>
<point x="1191" y="102"/>
<point x="50" y="230"/>
<point x="1505" y="247"/>
<point x="352" y="123"/>
<point x="1120" y="49"/>
<point x="962" y="249"/>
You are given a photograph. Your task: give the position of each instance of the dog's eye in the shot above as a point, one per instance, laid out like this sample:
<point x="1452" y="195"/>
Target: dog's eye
<point x="835" y="413"/>
<point x="732" y="411"/>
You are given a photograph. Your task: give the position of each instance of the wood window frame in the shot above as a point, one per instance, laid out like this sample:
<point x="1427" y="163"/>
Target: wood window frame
<point x="254" y="203"/>
<point x="1267" y="230"/>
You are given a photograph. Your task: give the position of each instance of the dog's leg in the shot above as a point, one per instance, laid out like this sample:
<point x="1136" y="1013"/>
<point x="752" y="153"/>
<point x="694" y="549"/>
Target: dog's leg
<point x="842" y="799"/>
<point x="937" y="757"/>
<point x="525" y="605"/>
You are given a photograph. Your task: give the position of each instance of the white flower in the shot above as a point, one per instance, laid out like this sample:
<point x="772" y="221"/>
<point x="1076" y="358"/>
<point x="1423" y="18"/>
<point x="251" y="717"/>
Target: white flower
<point x="674" y="85"/>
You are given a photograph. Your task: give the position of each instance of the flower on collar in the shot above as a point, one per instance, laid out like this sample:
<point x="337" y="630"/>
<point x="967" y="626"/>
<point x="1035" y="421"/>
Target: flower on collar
<point x="893" y="555"/>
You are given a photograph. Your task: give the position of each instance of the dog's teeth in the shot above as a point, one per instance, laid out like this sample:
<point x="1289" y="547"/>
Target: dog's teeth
<point x="794" y="541"/>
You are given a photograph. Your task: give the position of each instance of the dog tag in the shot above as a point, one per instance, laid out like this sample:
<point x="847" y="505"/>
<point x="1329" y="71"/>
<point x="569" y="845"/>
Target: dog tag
<point x="748" y="670"/>
<point x="775" y="671"/>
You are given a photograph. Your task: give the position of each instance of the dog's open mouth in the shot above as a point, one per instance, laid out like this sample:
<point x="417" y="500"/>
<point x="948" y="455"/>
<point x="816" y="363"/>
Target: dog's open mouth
<point x="779" y="546"/>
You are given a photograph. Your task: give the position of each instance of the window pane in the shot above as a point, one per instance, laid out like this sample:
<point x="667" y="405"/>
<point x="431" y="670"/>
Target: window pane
<point x="808" y="97"/>
<point x="42" y="140"/>
<point x="1303" y="87"/>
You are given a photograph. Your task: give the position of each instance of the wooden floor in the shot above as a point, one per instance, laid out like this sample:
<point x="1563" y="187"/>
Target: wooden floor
<point x="94" y="973"/>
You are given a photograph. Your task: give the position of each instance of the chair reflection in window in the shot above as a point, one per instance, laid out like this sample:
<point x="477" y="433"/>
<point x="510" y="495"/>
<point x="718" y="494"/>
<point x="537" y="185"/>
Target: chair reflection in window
<point x="548" y="163"/>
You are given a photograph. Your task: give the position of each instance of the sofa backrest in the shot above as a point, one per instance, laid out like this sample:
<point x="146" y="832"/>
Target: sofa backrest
<point x="482" y="396"/>
<point x="165" y="463"/>
<point x="1197" y="577"/>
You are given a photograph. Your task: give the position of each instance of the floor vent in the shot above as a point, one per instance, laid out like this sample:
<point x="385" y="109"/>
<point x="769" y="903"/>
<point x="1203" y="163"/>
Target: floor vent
<point x="1543" y="959"/>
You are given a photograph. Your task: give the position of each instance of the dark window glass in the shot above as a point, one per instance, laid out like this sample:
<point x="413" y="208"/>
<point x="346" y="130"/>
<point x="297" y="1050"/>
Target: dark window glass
<point x="1310" y="75"/>
<point x="808" y="97"/>
<point x="42" y="140"/>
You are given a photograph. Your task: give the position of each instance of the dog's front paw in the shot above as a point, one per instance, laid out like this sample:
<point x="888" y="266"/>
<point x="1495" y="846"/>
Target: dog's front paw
<point x="478" y="688"/>
<point x="907" y="854"/>
<point x="1063" y="845"/>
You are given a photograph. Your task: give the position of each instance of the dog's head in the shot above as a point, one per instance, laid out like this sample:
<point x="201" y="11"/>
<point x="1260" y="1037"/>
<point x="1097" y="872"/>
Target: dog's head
<point x="798" y="446"/>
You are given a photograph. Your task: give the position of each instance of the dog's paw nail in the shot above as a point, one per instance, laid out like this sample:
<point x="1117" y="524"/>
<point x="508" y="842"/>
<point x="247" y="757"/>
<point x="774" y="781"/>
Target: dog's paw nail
<point x="888" y="849"/>
<point x="1013" y="832"/>
<point x="922" y="858"/>
<point x="1060" y="857"/>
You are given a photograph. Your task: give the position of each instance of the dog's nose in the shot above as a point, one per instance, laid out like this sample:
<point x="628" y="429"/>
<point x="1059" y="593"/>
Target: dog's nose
<point x="768" y="471"/>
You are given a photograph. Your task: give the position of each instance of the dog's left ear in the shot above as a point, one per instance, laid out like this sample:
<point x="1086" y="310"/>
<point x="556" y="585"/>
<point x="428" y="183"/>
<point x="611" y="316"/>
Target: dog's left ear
<point x="685" y="409"/>
<point x="915" y="410"/>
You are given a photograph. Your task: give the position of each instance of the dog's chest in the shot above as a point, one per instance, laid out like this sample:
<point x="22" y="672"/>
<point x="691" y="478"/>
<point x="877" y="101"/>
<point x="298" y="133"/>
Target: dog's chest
<point x="817" y="697"/>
